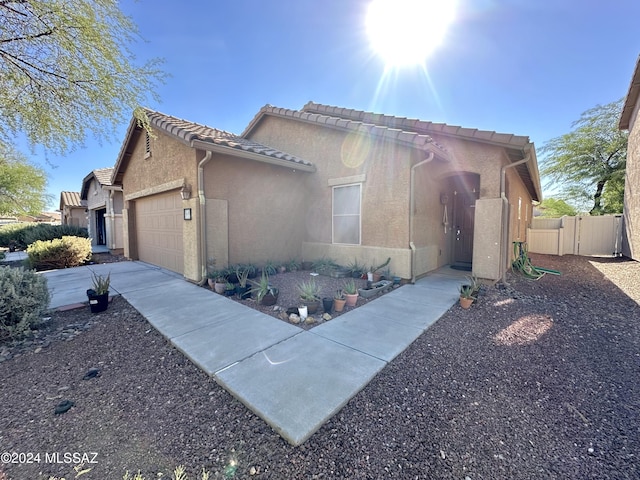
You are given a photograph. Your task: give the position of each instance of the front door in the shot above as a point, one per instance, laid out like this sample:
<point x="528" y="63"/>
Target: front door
<point x="101" y="232"/>
<point x="464" y="206"/>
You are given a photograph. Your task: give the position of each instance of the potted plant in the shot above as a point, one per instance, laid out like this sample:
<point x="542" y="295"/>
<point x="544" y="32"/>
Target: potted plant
<point x="309" y="294"/>
<point x="270" y="268"/>
<point x="99" y="294"/>
<point x="466" y="296"/>
<point x="339" y="301"/>
<point x="242" y="290"/>
<point x="265" y="293"/>
<point x="217" y="281"/>
<point x="356" y="269"/>
<point x="350" y="293"/>
<point x="229" y="289"/>
<point x="474" y="285"/>
<point x="376" y="275"/>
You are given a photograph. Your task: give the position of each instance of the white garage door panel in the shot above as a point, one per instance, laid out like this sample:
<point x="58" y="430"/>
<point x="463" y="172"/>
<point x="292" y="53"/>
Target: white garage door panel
<point x="159" y="229"/>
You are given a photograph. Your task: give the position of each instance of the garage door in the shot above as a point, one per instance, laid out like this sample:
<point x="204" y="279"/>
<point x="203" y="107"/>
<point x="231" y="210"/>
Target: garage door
<point x="159" y="230"/>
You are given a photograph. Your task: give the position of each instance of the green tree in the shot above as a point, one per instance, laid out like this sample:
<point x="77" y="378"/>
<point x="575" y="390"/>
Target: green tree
<point x="555" y="207"/>
<point x="584" y="161"/>
<point x="22" y="185"/>
<point x="66" y="68"/>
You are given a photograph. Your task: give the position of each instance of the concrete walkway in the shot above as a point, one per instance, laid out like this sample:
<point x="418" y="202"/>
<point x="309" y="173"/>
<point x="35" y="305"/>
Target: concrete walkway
<point x="293" y="379"/>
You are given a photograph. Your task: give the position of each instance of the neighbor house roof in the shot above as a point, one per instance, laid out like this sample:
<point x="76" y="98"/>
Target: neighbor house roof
<point x="71" y="199"/>
<point x="632" y="98"/>
<point x="416" y="133"/>
<point x="207" y="138"/>
<point x="101" y="175"/>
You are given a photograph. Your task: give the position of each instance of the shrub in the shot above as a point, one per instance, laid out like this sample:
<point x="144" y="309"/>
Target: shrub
<point x="59" y="253"/>
<point x="23" y="298"/>
<point x="13" y="234"/>
<point x="21" y="235"/>
<point x="44" y="231"/>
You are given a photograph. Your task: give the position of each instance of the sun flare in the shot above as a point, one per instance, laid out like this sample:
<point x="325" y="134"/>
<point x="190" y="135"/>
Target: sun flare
<point x="406" y="32"/>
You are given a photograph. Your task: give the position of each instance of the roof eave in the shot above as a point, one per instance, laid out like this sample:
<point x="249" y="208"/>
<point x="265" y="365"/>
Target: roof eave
<point x="631" y="99"/>
<point x="212" y="147"/>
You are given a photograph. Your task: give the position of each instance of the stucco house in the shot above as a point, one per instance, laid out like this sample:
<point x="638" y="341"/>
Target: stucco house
<point x="631" y="211"/>
<point x="325" y="182"/>
<point x="104" y="202"/>
<point x="73" y="210"/>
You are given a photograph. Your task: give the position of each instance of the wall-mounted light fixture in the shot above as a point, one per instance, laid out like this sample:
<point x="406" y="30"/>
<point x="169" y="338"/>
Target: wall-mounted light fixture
<point x="187" y="214"/>
<point x="185" y="192"/>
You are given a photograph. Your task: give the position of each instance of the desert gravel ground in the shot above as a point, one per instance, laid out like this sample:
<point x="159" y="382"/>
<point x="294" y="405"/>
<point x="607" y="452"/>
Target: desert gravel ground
<point x="538" y="380"/>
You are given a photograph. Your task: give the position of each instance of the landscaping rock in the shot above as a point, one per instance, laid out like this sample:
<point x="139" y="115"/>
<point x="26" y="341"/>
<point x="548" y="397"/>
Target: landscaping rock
<point x="294" y="318"/>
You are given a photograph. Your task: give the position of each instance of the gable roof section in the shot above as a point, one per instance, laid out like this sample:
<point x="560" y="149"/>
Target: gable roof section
<point x="101" y="175"/>
<point x="631" y="100"/>
<point x="71" y="199"/>
<point x="207" y="138"/>
<point x="329" y="119"/>
<point x="416" y="133"/>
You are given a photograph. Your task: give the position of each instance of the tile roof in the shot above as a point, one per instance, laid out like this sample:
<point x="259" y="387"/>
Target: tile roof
<point x="71" y="199"/>
<point x="416" y="133"/>
<point x="103" y="175"/>
<point x="189" y="132"/>
<point x="334" y="119"/>
<point x="419" y="126"/>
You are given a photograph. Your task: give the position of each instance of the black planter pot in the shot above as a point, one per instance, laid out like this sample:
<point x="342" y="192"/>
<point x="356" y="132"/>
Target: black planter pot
<point x="327" y="304"/>
<point x="243" y="292"/>
<point x="270" y="299"/>
<point x="230" y="292"/>
<point x="98" y="303"/>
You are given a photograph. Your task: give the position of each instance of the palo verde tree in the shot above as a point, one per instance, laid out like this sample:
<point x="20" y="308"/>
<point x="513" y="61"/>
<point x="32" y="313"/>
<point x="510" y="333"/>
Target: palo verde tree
<point x="589" y="161"/>
<point x="22" y="185"/>
<point x="67" y="68"/>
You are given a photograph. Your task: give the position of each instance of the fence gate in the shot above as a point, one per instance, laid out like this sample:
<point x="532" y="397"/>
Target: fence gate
<point x="581" y="235"/>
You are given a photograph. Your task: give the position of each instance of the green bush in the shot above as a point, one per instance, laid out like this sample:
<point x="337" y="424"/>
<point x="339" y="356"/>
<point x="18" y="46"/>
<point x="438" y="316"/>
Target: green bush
<point x="44" y="231"/>
<point x="59" y="253"/>
<point x="13" y="234"/>
<point x="23" y="298"/>
<point x="21" y="235"/>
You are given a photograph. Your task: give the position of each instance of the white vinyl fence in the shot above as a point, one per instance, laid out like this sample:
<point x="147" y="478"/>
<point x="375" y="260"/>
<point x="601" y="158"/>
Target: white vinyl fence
<point x="582" y="235"/>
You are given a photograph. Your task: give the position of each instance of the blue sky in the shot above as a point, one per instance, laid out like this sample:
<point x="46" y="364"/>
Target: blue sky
<point x="517" y="66"/>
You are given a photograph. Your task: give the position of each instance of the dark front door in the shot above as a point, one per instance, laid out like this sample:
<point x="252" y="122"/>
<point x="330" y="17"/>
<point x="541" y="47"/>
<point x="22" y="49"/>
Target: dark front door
<point x="101" y="232"/>
<point x="464" y="206"/>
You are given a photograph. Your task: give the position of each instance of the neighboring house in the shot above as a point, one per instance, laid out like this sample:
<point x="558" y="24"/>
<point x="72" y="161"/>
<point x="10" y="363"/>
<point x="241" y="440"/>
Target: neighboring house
<point x="325" y="182"/>
<point x="73" y="211"/>
<point x="631" y="211"/>
<point x="52" y="218"/>
<point x="104" y="209"/>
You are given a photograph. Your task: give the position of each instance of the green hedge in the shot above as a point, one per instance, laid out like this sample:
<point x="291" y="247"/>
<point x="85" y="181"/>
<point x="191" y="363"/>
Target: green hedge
<point x="23" y="299"/>
<point x="21" y="235"/>
<point x="62" y="252"/>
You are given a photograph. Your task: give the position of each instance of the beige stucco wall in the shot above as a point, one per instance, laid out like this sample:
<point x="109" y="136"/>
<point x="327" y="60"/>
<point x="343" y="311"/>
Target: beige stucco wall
<point x="260" y="211"/>
<point x="631" y="237"/>
<point x="75" y="216"/>
<point x="171" y="164"/>
<point x="386" y="169"/>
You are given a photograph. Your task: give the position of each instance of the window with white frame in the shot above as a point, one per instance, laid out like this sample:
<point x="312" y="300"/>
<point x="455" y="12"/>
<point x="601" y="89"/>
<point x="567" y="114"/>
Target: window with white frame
<point x="346" y="214"/>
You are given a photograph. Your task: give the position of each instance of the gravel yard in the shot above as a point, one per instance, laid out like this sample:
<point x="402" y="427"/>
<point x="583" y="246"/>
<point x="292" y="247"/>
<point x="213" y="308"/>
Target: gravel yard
<point x="537" y="380"/>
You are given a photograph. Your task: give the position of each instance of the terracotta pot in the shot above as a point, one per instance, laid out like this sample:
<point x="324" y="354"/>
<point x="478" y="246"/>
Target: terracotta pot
<point x="338" y="304"/>
<point x="376" y="277"/>
<point x="465" y="302"/>
<point x="219" y="287"/>
<point x="351" y="299"/>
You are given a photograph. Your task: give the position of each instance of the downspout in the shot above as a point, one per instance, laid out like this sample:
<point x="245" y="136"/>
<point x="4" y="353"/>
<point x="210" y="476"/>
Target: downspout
<point x="504" y="228"/>
<point x="203" y="218"/>
<point x="412" y="202"/>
